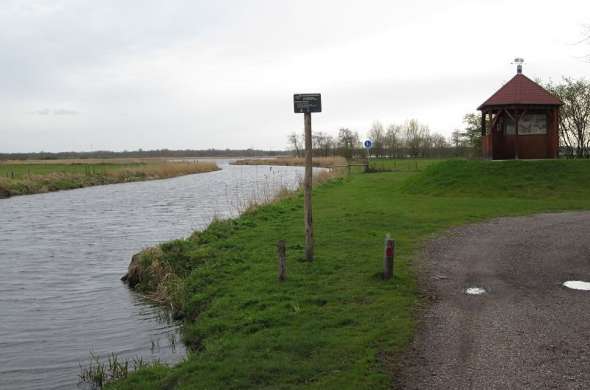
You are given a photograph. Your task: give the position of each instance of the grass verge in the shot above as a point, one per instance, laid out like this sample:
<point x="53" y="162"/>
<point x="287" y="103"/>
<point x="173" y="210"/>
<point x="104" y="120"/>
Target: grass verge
<point x="400" y="164"/>
<point x="36" y="177"/>
<point x="545" y="179"/>
<point x="333" y="323"/>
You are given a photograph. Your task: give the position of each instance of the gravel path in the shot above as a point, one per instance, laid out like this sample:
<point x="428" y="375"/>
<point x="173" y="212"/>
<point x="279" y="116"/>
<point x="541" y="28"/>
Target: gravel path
<point x="527" y="331"/>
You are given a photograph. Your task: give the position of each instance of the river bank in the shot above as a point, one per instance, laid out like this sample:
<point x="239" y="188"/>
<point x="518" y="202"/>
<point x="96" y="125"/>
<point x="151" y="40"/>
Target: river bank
<point x="322" y="162"/>
<point x="333" y="323"/>
<point x="33" y="177"/>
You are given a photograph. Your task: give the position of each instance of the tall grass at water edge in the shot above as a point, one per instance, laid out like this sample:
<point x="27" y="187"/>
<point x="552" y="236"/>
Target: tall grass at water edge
<point x="32" y="178"/>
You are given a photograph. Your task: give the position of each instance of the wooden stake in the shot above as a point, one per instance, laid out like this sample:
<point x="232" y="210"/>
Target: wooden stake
<point x="388" y="258"/>
<point x="282" y="253"/>
<point x="516" y="139"/>
<point x="307" y="185"/>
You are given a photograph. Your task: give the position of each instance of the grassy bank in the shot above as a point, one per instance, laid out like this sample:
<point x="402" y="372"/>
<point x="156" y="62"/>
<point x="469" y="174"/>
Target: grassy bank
<point x="530" y="179"/>
<point x="334" y="324"/>
<point x="21" y="178"/>
<point x="401" y="164"/>
<point x="324" y="162"/>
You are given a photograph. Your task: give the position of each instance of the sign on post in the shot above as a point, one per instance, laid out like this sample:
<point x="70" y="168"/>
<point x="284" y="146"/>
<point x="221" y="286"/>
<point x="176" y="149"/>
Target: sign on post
<point x="306" y="103"/>
<point x="368" y="144"/>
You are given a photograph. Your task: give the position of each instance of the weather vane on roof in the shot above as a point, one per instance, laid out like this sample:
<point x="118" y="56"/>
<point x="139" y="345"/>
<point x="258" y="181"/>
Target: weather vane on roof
<point x="518" y="61"/>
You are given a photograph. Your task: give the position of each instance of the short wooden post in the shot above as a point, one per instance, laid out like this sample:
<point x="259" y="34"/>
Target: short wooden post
<point x="282" y="253"/>
<point x="388" y="258"/>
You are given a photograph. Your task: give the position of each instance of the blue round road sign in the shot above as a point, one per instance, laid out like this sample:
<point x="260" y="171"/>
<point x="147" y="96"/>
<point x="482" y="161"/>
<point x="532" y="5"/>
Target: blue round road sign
<point x="368" y="144"/>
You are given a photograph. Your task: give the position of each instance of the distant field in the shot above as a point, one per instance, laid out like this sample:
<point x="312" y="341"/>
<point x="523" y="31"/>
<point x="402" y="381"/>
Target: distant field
<point x="325" y="162"/>
<point x="22" y="170"/>
<point x="30" y="177"/>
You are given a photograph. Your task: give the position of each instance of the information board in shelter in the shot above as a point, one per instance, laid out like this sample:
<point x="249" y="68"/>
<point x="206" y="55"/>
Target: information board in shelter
<point x="307" y="102"/>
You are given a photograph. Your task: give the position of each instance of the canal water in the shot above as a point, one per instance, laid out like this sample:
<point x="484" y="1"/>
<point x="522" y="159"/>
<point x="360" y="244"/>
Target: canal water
<point x="62" y="255"/>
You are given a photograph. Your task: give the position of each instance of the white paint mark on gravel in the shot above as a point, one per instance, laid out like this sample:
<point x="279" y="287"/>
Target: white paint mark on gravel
<point x="475" y="291"/>
<point x="577" y="285"/>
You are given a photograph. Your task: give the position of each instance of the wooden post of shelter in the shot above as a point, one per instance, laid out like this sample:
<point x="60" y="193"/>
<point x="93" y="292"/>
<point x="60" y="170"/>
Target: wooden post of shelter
<point x="516" y="143"/>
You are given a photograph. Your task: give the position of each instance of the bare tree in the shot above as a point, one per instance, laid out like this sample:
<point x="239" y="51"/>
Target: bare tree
<point x="458" y="142"/>
<point x="392" y="142"/>
<point x="439" y="144"/>
<point x="347" y="142"/>
<point x="322" y="144"/>
<point x="377" y="135"/>
<point x="416" y="135"/>
<point x="329" y="146"/>
<point x="574" y="118"/>
<point x="296" y="143"/>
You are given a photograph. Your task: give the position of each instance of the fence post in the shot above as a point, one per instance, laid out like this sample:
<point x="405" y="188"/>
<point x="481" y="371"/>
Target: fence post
<point x="388" y="258"/>
<point x="282" y="253"/>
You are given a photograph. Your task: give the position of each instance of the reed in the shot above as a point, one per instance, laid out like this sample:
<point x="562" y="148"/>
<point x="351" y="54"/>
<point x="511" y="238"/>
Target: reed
<point x="31" y="178"/>
<point x="271" y="192"/>
<point x="99" y="373"/>
<point x="323" y="162"/>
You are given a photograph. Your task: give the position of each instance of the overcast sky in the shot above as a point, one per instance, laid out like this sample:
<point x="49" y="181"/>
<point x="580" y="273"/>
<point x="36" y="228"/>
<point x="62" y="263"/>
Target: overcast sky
<point x="110" y="74"/>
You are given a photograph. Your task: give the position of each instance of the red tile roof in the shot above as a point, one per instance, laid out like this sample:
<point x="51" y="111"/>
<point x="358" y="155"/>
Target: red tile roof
<point x="521" y="90"/>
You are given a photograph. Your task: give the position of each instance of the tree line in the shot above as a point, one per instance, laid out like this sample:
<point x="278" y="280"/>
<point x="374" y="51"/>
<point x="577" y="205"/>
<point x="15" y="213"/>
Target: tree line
<point x="574" y="116"/>
<point x="411" y="139"/>
<point x="140" y="153"/>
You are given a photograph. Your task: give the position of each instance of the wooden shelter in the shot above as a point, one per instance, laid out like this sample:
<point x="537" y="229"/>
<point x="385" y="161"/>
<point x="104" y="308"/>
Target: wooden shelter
<point x="520" y="121"/>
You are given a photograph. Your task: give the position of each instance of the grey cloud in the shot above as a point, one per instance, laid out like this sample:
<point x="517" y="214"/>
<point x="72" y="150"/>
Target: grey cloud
<point x="63" y="111"/>
<point x="57" y="112"/>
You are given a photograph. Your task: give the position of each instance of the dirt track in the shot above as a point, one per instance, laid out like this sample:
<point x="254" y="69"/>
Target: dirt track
<point x="527" y="332"/>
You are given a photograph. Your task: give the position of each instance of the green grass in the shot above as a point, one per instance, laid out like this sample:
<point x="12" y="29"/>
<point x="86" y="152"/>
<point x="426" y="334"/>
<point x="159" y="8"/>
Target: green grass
<point x="528" y="179"/>
<point x="334" y="324"/>
<point x="404" y="164"/>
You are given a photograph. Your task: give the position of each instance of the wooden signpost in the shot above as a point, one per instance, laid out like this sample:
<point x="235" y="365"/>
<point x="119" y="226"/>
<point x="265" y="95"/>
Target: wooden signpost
<point x="306" y="104"/>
